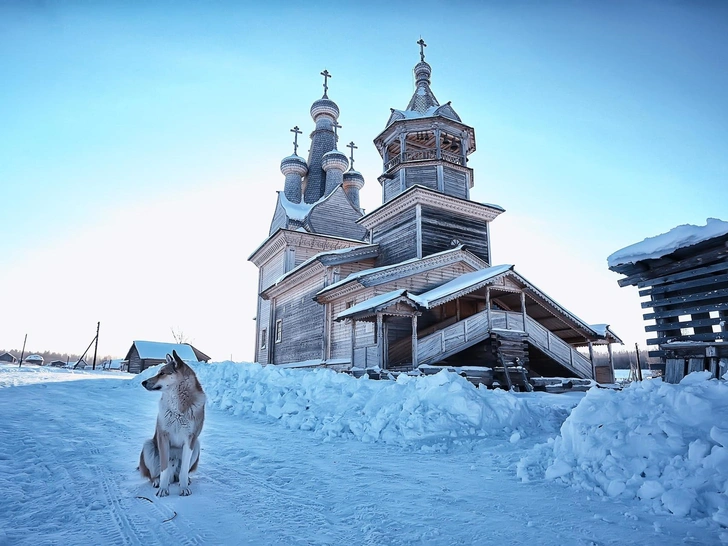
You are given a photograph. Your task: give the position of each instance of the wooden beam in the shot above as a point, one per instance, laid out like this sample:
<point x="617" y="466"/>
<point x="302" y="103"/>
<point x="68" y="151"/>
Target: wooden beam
<point x="687" y="311"/>
<point x="686" y="324"/>
<point x="688" y="298"/>
<point x="675" y="286"/>
<point x="689" y="337"/>
<point x="414" y="342"/>
<point x="674" y="271"/>
<point x="380" y="340"/>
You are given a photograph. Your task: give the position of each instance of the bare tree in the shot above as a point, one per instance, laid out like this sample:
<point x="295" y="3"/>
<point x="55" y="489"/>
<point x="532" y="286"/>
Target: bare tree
<point x="179" y="336"/>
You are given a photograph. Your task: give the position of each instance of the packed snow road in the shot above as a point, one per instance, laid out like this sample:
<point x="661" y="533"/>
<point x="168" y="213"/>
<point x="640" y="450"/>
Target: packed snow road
<point x="70" y="444"/>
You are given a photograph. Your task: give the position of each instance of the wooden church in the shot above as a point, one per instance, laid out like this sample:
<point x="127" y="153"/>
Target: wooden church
<point x="410" y="284"/>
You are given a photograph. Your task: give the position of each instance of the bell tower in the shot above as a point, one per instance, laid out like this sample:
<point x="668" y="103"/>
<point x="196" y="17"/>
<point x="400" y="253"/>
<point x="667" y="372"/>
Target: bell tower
<point x="426" y="144"/>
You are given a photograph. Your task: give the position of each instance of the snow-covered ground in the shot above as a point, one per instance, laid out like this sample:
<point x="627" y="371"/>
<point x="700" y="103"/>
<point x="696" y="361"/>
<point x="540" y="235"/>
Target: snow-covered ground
<point x="313" y="457"/>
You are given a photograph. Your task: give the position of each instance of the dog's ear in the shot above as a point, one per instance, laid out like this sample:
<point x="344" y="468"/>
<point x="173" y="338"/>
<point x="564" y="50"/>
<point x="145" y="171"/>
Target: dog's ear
<point x="177" y="360"/>
<point x="169" y="359"/>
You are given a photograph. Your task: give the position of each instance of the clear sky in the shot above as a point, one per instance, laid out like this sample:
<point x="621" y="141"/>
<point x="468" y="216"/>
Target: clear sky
<point x="140" y="146"/>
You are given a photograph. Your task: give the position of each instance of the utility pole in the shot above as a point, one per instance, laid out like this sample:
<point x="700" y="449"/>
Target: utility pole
<point x="22" y="354"/>
<point x="98" y="325"/>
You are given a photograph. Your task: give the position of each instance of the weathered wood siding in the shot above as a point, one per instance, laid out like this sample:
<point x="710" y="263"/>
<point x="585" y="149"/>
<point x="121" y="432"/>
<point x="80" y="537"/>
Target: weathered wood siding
<point x="302" y="321"/>
<point x="455" y="182"/>
<point x="262" y="322"/>
<point x="422" y="176"/>
<point x="441" y="228"/>
<point x="336" y="216"/>
<point x="392" y="187"/>
<point x="279" y="218"/>
<point x="272" y="270"/>
<point x="397" y="238"/>
<point x="135" y="363"/>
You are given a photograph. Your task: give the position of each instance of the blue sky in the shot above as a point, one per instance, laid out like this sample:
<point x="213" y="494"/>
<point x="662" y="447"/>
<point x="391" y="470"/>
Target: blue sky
<point x="140" y="145"/>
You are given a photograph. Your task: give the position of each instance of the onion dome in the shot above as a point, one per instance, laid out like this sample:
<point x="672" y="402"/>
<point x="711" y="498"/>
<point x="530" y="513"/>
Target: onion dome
<point x="423" y="71"/>
<point x="294" y="164"/>
<point x="324" y="107"/>
<point x="353" y="178"/>
<point x="334" y="160"/>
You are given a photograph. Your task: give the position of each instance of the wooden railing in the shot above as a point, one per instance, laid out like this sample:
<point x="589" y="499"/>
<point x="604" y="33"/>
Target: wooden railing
<point x="422" y="155"/>
<point x="466" y="333"/>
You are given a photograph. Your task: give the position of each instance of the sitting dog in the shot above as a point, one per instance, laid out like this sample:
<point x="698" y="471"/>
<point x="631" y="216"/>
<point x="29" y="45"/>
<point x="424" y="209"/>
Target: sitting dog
<point x="174" y="451"/>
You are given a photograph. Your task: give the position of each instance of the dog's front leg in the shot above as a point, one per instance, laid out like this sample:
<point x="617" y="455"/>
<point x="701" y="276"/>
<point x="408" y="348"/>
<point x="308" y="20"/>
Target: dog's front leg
<point x="163" y="441"/>
<point x="184" y="471"/>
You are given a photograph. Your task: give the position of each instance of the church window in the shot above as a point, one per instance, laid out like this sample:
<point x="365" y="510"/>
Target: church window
<point x="263" y="338"/>
<point x="279" y="331"/>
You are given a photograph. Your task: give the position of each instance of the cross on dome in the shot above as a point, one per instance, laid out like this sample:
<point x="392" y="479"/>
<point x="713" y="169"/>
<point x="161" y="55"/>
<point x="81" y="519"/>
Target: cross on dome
<point x="422" y="45"/>
<point x="336" y="126"/>
<point x="352" y="147"/>
<point x="296" y="131"/>
<point x="326" y="76"/>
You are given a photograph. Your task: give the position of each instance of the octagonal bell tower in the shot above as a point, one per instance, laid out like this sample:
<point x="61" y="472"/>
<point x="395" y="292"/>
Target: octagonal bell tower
<point x="426" y="144"/>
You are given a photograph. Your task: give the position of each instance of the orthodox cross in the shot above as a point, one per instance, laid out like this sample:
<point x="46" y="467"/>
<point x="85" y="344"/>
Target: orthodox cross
<point x="422" y="45"/>
<point x="326" y="76"/>
<point x="296" y="131"/>
<point x="336" y="126"/>
<point x="352" y="147"/>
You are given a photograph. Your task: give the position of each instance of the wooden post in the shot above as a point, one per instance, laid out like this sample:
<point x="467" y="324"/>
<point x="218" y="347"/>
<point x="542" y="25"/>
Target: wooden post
<point x="457" y="307"/>
<point x="22" y="353"/>
<point x="487" y="306"/>
<point x="611" y="359"/>
<point x="380" y="343"/>
<point x="591" y="359"/>
<point x="639" y="364"/>
<point x="414" y="342"/>
<point x="353" y="340"/>
<point x="523" y="309"/>
<point x="96" y="346"/>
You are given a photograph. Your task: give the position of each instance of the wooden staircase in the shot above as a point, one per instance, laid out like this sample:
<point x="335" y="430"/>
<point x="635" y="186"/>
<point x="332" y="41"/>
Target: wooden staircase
<point x="468" y="332"/>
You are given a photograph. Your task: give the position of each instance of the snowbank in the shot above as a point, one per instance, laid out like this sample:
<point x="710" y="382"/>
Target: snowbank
<point x="427" y="412"/>
<point x="654" y="441"/>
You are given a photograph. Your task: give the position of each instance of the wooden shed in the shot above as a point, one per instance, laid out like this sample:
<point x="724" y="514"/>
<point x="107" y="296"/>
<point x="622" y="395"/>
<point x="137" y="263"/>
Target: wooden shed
<point x="684" y="272"/>
<point x="7" y="357"/>
<point x="143" y="354"/>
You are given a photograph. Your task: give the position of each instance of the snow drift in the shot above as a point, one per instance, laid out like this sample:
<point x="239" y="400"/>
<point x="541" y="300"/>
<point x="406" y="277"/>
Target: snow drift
<point x="426" y="412"/>
<point x="653" y="441"/>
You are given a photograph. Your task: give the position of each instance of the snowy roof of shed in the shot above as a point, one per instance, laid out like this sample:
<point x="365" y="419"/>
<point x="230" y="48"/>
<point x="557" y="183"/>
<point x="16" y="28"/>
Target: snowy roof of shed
<point x="157" y="350"/>
<point x="666" y="243"/>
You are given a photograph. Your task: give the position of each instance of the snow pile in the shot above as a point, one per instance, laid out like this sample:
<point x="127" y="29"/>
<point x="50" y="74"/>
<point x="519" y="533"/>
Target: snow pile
<point x="662" y="443"/>
<point x="666" y="243"/>
<point x="426" y="412"/>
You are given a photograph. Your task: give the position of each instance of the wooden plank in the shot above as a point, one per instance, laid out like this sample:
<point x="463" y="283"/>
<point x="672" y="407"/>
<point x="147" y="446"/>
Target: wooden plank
<point x="674" y="370"/>
<point x="687" y="298"/>
<point x="689" y="337"/>
<point x="675" y="286"/>
<point x="686" y="324"/>
<point x="722" y="266"/>
<point x="658" y="275"/>
<point x="696" y="365"/>
<point x="686" y="311"/>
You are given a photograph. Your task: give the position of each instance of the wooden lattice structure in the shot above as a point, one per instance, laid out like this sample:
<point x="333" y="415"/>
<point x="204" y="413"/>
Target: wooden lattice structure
<point x="687" y="288"/>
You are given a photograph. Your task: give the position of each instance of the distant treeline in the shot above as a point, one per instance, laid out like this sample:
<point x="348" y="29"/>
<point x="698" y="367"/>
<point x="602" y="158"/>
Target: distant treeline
<point x="622" y="359"/>
<point x="50" y="356"/>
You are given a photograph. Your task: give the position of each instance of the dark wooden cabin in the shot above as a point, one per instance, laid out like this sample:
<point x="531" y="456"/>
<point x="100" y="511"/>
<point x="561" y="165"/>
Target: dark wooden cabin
<point x="685" y="274"/>
<point x="144" y="354"/>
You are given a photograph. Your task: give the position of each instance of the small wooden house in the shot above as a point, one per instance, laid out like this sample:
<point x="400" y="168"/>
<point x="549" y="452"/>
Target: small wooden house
<point x="410" y="284"/>
<point x="685" y="274"/>
<point x="7" y="357"/>
<point x="143" y="354"/>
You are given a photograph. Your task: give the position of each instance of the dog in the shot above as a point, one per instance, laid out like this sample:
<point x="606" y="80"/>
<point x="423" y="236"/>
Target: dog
<point x="174" y="451"/>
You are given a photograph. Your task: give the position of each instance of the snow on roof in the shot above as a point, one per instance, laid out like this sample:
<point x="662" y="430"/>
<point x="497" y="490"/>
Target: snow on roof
<point x="34" y="358"/>
<point x="338" y="251"/>
<point x="158" y="350"/>
<point x="461" y="283"/>
<point x="374" y="270"/>
<point x="295" y="211"/>
<point x="661" y="245"/>
<point x="372" y="303"/>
